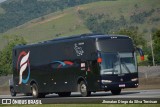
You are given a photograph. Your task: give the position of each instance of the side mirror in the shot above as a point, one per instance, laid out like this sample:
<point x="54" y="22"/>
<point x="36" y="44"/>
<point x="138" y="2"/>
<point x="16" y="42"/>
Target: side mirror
<point x="99" y="60"/>
<point x="141" y="53"/>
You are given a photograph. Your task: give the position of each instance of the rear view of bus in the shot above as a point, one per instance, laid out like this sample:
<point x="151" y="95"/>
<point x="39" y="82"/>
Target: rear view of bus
<point x="118" y="63"/>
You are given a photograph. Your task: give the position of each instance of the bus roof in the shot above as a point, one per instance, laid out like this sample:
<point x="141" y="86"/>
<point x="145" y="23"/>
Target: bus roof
<point x="90" y="35"/>
<point x="82" y="36"/>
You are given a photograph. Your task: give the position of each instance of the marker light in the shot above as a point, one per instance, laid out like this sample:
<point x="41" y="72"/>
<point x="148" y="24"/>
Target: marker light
<point x="99" y="60"/>
<point x="134" y="79"/>
<point x="106" y="81"/>
<point x="142" y="58"/>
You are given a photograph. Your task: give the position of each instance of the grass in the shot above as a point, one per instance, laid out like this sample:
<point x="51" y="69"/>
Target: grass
<point x="2" y="11"/>
<point x="126" y="8"/>
<point x="2" y="44"/>
<point x="59" y="24"/>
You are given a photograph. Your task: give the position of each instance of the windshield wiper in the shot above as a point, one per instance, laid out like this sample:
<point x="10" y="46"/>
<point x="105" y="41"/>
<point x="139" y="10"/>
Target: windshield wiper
<point x="125" y="66"/>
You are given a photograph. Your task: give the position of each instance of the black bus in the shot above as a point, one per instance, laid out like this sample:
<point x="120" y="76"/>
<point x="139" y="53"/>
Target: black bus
<point x="84" y="63"/>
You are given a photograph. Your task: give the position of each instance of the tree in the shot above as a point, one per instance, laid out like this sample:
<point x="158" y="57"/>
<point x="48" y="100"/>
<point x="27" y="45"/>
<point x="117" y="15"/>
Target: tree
<point x="133" y="33"/>
<point x="6" y="55"/>
<point x="156" y="48"/>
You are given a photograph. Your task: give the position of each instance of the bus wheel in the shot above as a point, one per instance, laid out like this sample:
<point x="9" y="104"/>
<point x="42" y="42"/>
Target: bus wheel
<point x="116" y="91"/>
<point x="35" y="93"/>
<point x="83" y="89"/>
<point x="64" y="94"/>
<point x="12" y="91"/>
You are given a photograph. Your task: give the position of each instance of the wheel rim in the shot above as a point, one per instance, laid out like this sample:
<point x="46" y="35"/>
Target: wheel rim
<point x="83" y="88"/>
<point x="34" y="92"/>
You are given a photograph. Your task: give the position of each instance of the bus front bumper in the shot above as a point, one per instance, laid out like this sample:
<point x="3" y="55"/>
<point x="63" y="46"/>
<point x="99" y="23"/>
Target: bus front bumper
<point x="117" y="85"/>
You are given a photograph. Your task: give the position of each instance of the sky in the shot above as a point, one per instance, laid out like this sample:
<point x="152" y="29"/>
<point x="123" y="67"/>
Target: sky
<point x="2" y="0"/>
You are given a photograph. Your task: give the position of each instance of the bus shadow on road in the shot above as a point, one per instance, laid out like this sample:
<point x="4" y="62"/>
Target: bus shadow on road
<point x="110" y="94"/>
<point x="99" y="94"/>
<point x="76" y="95"/>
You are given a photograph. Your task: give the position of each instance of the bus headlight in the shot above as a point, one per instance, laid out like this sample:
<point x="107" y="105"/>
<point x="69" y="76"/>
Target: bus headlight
<point x="106" y="81"/>
<point x="134" y="79"/>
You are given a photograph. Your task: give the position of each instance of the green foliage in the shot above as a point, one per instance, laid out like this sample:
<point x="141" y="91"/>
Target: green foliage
<point x="146" y="49"/>
<point x="156" y="45"/>
<point x="140" y="17"/>
<point x="133" y="33"/>
<point x="70" y="21"/>
<point x="116" y="16"/>
<point x="102" y="23"/>
<point x="99" y="23"/>
<point x="18" y="12"/>
<point x="6" y="55"/>
<point x="150" y="58"/>
<point x="156" y="48"/>
<point x="143" y="63"/>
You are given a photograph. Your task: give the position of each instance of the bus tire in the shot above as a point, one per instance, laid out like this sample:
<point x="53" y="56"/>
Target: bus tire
<point x="116" y="91"/>
<point x="83" y="89"/>
<point x="35" y="92"/>
<point x="12" y="91"/>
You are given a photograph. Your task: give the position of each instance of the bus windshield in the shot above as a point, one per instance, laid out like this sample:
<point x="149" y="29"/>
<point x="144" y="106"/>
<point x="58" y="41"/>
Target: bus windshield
<point x="118" y="63"/>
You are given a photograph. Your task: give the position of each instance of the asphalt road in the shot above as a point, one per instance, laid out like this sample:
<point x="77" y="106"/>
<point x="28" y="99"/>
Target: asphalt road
<point x="98" y="97"/>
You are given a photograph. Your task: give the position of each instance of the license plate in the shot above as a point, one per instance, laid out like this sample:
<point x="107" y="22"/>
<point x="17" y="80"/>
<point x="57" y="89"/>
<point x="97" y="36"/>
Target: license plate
<point x="122" y="85"/>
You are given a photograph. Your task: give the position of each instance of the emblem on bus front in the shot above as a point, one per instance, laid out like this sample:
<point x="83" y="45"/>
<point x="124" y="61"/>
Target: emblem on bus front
<point x="23" y="63"/>
<point x="121" y="79"/>
<point x="78" y="49"/>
